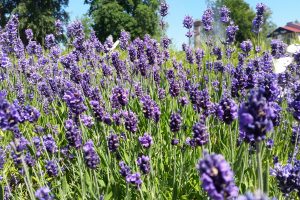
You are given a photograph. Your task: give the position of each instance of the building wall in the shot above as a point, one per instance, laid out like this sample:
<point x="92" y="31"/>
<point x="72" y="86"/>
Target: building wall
<point x="288" y="37"/>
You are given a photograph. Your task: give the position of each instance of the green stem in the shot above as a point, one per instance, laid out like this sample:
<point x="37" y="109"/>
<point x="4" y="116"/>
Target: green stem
<point x="259" y="166"/>
<point x="142" y="196"/>
<point x="232" y="146"/>
<point x="27" y="180"/>
<point x="174" y="178"/>
<point x="83" y="190"/>
<point x="127" y="192"/>
<point x="245" y="162"/>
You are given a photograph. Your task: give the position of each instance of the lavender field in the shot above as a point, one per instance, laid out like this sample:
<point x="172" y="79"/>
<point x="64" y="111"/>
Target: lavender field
<point x="132" y="118"/>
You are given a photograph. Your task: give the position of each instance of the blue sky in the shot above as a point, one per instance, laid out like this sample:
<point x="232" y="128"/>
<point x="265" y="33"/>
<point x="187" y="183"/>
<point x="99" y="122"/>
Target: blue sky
<point x="283" y="12"/>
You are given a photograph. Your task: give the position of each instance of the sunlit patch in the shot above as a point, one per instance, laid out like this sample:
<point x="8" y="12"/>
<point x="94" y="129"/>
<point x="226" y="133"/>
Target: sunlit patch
<point x="281" y="64"/>
<point x="293" y="48"/>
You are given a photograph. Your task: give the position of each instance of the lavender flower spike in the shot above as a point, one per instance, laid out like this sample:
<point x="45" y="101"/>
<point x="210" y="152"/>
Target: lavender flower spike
<point x="217" y="177"/>
<point x="175" y="122"/>
<point x="124" y="169"/>
<point x="134" y="179"/>
<point x="163" y="9"/>
<point x="224" y="14"/>
<point x="259" y="19"/>
<point x="227" y="110"/>
<point x="207" y="20"/>
<point x="146" y="140"/>
<point x="43" y="194"/>
<point x="255" y="116"/>
<point x="188" y="23"/>
<point x="91" y="157"/>
<point x="144" y="163"/>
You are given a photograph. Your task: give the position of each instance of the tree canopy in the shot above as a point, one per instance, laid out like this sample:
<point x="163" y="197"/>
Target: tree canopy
<point x="243" y="15"/>
<point x="38" y="15"/>
<point x="139" y="17"/>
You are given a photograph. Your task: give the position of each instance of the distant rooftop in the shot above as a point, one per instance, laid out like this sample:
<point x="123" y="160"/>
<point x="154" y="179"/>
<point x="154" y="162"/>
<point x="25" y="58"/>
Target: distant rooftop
<point x="290" y="27"/>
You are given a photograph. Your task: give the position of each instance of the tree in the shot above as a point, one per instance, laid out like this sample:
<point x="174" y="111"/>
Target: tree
<point x="38" y="15"/>
<point x="243" y="15"/>
<point x="6" y="7"/>
<point x="139" y="17"/>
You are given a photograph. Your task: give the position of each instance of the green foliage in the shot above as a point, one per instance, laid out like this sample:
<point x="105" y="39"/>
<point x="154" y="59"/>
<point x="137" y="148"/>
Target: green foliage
<point x="87" y="23"/>
<point x="243" y="15"/>
<point x="37" y="15"/>
<point x="174" y="173"/>
<point x="136" y="16"/>
<point x="6" y="7"/>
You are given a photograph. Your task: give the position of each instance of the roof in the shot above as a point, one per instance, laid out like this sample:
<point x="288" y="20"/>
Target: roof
<point x="289" y="27"/>
<point x="292" y="29"/>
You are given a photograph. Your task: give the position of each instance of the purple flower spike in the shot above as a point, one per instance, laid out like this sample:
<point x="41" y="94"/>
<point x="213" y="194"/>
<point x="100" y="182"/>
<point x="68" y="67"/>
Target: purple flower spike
<point x="113" y="142"/>
<point x="146" y="141"/>
<point x="163" y="9"/>
<point x="287" y="176"/>
<point x="144" y="163"/>
<point x="175" y="122"/>
<point x="224" y="14"/>
<point x="150" y="108"/>
<point x="29" y="34"/>
<point x="9" y="114"/>
<point x="73" y="134"/>
<point x="257" y="195"/>
<point x="134" y="179"/>
<point x="231" y="31"/>
<point x="255" y="116"/>
<point x="43" y="193"/>
<point x="50" y="41"/>
<point x="74" y="100"/>
<point x="227" y="110"/>
<point x="91" y="157"/>
<point x="58" y="27"/>
<point x="246" y="46"/>
<point x="88" y="121"/>
<point x="49" y="143"/>
<point x="188" y="23"/>
<point x="200" y="136"/>
<point x="207" y="20"/>
<point x="174" y="89"/>
<point x="124" y="169"/>
<point x="119" y="97"/>
<point x="52" y="168"/>
<point x="278" y="48"/>
<point x="131" y="121"/>
<point x="297" y="57"/>
<point x="124" y="40"/>
<point x="217" y="177"/>
<point x="183" y="101"/>
<point x="259" y="19"/>
<point x="200" y="100"/>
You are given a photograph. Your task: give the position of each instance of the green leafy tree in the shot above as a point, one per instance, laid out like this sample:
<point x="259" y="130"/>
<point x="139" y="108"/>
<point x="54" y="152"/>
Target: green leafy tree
<point x="6" y="7"/>
<point x="38" y="15"/>
<point x="139" y="17"/>
<point x="87" y="23"/>
<point x="243" y="15"/>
